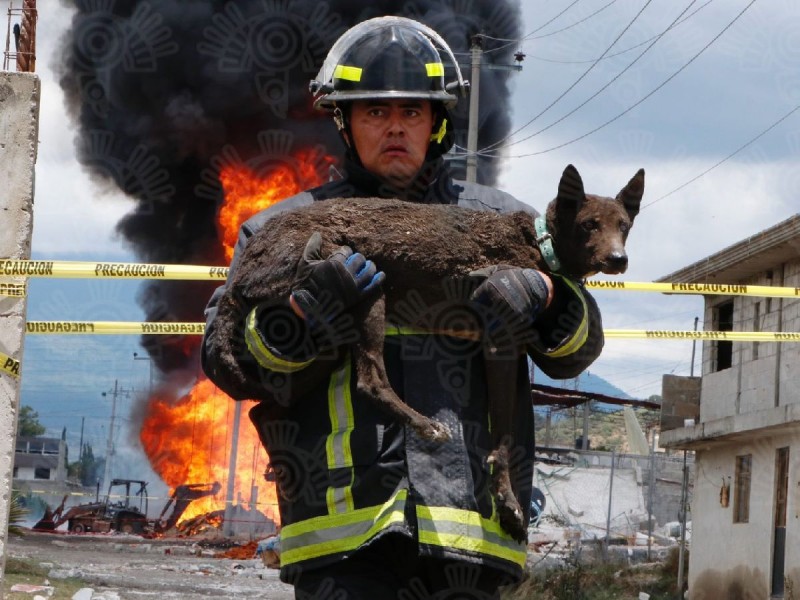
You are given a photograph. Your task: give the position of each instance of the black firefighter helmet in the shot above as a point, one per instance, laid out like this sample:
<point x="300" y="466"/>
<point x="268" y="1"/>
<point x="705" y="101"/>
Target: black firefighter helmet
<point x="391" y="58"/>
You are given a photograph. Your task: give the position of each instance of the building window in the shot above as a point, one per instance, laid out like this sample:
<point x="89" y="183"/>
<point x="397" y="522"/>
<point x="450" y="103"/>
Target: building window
<point x="741" y="495"/>
<point x="723" y="319"/>
<point x="41" y="473"/>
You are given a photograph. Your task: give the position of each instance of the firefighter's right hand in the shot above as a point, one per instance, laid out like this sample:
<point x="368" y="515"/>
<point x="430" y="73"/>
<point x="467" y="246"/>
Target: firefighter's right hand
<point x="326" y="287"/>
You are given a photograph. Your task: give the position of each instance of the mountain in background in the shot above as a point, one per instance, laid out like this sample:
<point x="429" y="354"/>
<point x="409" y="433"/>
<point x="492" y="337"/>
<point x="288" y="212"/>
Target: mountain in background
<point x="585" y="382"/>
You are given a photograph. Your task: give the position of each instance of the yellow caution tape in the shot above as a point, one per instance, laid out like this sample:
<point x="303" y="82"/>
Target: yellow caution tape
<point x="10" y="366"/>
<point x="14" y="290"/>
<point x="107" y="270"/>
<point x="697" y="288"/>
<point x="733" y="336"/>
<point x="112" y="328"/>
<point x="120" y="327"/>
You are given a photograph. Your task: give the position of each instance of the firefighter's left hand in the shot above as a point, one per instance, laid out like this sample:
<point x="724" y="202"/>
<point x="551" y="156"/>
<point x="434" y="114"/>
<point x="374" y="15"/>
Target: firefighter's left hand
<point x="517" y="293"/>
<point x="325" y="287"/>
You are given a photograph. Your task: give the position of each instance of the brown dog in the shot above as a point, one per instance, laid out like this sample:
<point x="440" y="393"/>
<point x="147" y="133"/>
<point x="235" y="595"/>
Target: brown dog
<point x="425" y="251"/>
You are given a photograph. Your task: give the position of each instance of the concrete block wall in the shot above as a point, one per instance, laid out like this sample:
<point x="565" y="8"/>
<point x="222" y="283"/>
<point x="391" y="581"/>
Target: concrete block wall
<point x="749" y="385"/>
<point x="19" y="125"/>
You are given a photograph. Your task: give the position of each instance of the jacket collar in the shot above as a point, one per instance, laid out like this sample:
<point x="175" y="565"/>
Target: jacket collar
<point x="432" y="185"/>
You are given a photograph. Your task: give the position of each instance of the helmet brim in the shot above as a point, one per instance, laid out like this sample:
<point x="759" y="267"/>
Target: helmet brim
<point x="330" y="101"/>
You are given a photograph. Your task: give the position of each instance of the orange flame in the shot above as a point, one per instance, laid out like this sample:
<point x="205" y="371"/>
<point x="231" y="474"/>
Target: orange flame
<point x="248" y="191"/>
<point x="189" y="440"/>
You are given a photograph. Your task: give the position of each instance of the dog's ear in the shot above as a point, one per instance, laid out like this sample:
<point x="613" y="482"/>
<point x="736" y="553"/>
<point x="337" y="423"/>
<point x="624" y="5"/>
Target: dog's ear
<point x="570" y="190"/>
<point x="631" y="194"/>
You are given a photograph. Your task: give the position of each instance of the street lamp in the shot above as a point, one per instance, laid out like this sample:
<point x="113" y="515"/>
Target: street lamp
<point x="137" y="357"/>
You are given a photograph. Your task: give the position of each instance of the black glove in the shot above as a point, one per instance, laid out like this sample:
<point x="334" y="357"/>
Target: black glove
<point x="510" y="299"/>
<point x="326" y="287"/>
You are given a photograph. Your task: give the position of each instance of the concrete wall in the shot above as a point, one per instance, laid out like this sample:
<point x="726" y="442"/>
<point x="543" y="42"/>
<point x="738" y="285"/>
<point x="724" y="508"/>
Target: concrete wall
<point x="718" y="394"/>
<point x="19" y="122"/>
<point x="668" y="478"/>
<point x="734" y="560"/>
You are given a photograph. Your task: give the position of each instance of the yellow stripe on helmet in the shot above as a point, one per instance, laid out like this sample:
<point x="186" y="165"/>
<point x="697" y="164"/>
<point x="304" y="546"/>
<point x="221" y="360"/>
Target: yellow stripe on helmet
<point x="434" y="69"/>
<point x="347" y="73"/>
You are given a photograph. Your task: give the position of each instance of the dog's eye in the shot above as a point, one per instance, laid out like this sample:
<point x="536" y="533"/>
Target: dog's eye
<point x="624" y="227"/>
<point x="590" y="225"/>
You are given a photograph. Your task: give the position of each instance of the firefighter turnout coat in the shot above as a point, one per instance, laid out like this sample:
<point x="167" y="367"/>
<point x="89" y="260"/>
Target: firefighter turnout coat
<point x="346" y="472"/>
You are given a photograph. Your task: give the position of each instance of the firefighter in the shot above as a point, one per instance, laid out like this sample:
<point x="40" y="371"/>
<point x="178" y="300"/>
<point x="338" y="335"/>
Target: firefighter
<point x="368" y="508"/>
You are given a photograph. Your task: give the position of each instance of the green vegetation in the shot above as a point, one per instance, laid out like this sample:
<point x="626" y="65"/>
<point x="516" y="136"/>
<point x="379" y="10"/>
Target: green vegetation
<point x="19" y="571"/>
<point x="606" y="430"/>
<point x="600" y="582"/>
<point x="87" y="469"/>
<point x="16" y="515"/>
<point x="28" y="424"/>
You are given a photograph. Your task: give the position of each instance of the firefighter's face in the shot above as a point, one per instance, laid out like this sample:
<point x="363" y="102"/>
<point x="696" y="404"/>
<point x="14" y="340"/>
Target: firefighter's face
<point x="391" y="137"/>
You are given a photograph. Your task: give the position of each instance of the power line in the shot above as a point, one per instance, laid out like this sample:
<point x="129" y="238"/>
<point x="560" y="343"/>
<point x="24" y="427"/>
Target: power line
<point x="605" y="87"/>
<point x="538" y="29"/>
<point x="638" y="102"/>
<point x="516" y="42"/>
<point x="530" y="37"/>
<point x="571" y="87"/>
<point x="621" y="52"/>
<point x="727" y="158"/>
<point x="575" y="24"/>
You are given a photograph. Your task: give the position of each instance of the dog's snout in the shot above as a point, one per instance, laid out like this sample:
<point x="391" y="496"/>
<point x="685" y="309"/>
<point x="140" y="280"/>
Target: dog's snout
<point x="618" y="261"/>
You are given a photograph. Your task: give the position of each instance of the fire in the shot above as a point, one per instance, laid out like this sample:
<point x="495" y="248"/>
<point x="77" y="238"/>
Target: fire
<point x="248" y="190"/>
<point x="189" y="440"/>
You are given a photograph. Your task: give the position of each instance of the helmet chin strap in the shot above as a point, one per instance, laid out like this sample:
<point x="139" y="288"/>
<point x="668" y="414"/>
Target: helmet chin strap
<point x="343" y="127"/>
<point x="339" y="119"/>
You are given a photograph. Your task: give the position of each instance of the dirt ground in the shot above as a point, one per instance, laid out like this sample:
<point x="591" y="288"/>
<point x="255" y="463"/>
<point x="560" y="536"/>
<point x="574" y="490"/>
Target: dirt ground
<point x="119" y="567"/>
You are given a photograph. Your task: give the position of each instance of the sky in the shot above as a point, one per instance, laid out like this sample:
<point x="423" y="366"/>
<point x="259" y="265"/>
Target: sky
<point x="725" y="73"/>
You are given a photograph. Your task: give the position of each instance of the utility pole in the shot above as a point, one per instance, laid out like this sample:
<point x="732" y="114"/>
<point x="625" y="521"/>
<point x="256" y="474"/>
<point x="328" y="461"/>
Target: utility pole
<point x="110" y="444"/>
<point x="227" y="519"/>
<point x="477" y="64"/>
<point x="685" y="494"/>
<point x="610" y="498"/>
<point x="80" y="452"/>
<point x="650" y="488"/>
<point x="547" y="426"/>
<point x="585" y="434"/>
<point x="474" y="94"/>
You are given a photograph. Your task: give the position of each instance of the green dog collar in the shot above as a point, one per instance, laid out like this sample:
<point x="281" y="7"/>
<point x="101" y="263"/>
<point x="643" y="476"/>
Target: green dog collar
<point x="545" y="242"/>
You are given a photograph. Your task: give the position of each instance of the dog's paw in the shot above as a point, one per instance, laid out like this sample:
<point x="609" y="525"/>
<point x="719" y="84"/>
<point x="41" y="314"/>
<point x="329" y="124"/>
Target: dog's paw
<point x="511" y="520"/>
<point x="436" y="432"/>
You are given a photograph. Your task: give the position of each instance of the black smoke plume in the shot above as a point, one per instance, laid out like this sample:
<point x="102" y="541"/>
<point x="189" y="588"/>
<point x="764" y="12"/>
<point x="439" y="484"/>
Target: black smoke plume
<point x="164" y="92"/>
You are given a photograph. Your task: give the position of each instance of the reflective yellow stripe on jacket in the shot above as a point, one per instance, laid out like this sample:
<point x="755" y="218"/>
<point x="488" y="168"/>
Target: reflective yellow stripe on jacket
<point x="581" y="334"/>
<point x="261" y="352"/>
<point x="337" y="446"/>
<point x="332" y="534"/>
<point x="467" y="530"/>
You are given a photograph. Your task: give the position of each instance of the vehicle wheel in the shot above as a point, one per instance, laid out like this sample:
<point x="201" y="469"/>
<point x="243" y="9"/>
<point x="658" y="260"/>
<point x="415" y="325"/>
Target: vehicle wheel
<point x="126" y="527"/>
<point x="78" y="528"/>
